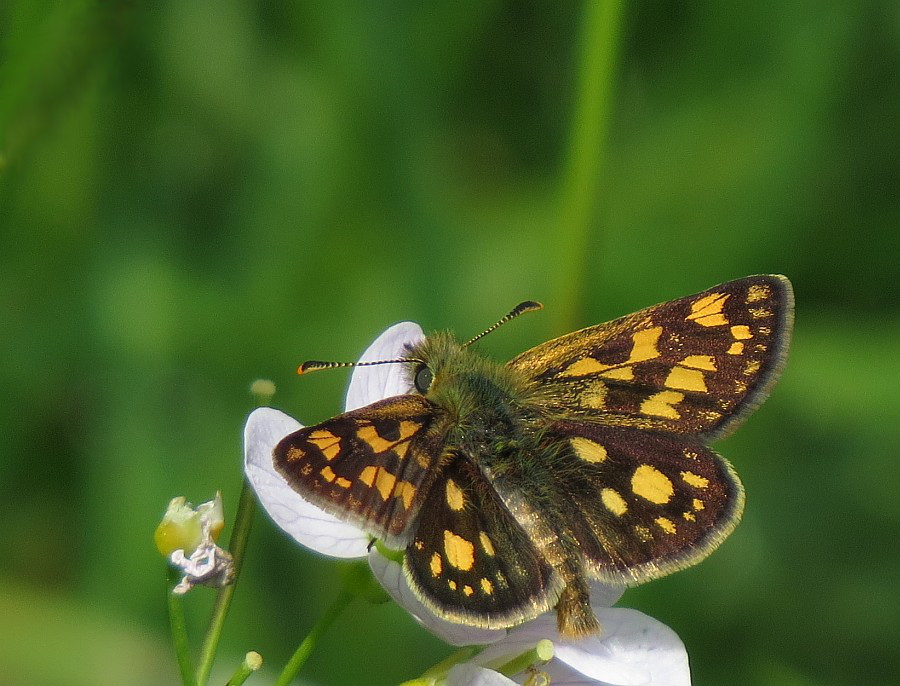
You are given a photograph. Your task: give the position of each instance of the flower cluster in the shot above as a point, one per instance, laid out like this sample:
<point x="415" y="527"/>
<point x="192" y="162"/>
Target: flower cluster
<point x="632" y="649"/>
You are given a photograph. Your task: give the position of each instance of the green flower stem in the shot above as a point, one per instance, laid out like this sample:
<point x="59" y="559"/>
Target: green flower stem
<point x="580" y="179"/>
<point x="252" y="662"/>
<point x="179" y="630"/>
<point x="298" y="659"/>
<point x="237" y="546"/>
<point x="437" y="673"/>
<point x="541" y="653"/>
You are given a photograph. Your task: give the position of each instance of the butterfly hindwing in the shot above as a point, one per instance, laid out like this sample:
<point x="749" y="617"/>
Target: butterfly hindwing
<point x="642" y="504"/>
<point x="371" y="466"/>
<point x="696" y="365"/>
<point x="470" y="561"/>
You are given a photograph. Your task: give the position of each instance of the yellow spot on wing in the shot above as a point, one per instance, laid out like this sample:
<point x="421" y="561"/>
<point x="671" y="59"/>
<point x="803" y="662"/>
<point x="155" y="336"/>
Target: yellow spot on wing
<point x="328" y="473"/>
<point x="651" y="484"/>
<point x="707" y="311"/>
<point x="406" y="491"/>
<point x="436" y="565"/>
<point x="645" y="345"/>
<point x="760" y="313"/>
<point x="401" y="448"/>
<point x="686" y="379"/>
<point x="583" y="367"/>
<point x="660" y="404"/>
<point x="455" y="498"/>
<point x="741" y="332"/>
<point x="327" y="442"/>
<point x="384" y="482"/>
<point x="697" y="504"/>
<point x="468" y="590"/>
<point x="665" y="524"/>
<point x="588" y="451"/>
<point x="460" y="552"/>
<point x="751" y="368"/>
<point x="343" y="483"/>
<point x="694" y="480"/>
<point x="487" y="586"/>
<point x="613" y="502"/>
<point x="452" y="584"/>
<point x="369" y="436"/>
<point x="486" y="543"/>
<point x="620" y="373"/>
<point x="736" y="349"/>
<point x="706" y="362"/>
<point x="758" y="292"/>
<point x="689" y="516"/>
<point x="408" y="428"/>
<point x="367" y="475"/>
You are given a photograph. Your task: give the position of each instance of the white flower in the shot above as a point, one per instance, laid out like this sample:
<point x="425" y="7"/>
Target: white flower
<point x="633" y="648"/>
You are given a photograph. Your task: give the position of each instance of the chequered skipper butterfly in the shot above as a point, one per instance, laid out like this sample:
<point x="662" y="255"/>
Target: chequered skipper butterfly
<point x="510" y="486"/>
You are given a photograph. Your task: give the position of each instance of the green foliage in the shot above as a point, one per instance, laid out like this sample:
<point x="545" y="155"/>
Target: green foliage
<point x="193" y="196"/>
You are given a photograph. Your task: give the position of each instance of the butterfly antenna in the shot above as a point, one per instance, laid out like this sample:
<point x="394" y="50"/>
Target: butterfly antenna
<point x="315" y="365"/>
<point x="521" y="308"/>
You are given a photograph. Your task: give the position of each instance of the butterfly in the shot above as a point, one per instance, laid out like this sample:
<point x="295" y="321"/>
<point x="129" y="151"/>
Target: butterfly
<point x="509" y="487"/>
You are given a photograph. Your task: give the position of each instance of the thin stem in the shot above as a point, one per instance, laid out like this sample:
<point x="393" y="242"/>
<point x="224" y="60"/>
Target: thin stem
<point x="178" y="628"/>
<point x="298" y="659"/>
<point x="237" y="546"/>
<point x="252" y="661"/>
<point x="581" y="175"/>
<point x="541" y="653"/>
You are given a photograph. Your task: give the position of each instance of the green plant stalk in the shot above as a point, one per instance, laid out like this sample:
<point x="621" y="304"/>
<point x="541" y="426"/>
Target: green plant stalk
<point x="583" y="166"/>
<point x="178" y="628"/>
<point x="439" y="671"/>
<point x="298" y="659"/>
<point x="237" y="546"/>
<point x="251" y="662"/>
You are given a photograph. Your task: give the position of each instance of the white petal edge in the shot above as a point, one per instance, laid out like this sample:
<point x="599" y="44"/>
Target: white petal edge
<point x="467" y="674"/>
<point x="370" y="384"/>
<point x="390" y="575"/>
<point x="306" y="523"/>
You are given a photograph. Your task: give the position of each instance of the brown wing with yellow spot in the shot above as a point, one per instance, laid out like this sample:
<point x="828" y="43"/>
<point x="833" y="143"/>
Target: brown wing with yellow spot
<point x="696" y="365"/>
<point x="370" y="467"/>
<point x="470" y="561"/>
<point x="642" y="504"/>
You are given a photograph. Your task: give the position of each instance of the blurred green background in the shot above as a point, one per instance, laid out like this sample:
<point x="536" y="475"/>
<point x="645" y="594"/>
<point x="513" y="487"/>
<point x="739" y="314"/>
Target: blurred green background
<point x="194" y="195"/>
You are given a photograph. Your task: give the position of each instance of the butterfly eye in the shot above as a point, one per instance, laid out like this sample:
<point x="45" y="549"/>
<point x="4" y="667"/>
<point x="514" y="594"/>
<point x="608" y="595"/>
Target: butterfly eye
<point x="423" y="379"/>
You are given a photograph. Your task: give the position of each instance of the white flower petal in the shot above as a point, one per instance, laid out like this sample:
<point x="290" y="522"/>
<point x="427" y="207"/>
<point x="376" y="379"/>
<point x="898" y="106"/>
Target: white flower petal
<point x="633" y="650"/>
<point x="370" y="384"/>
<point x="309" y="525"/>
<point x="390" y="575"/>
<point x="467" y="674"/>
<point x="604" y="595"/>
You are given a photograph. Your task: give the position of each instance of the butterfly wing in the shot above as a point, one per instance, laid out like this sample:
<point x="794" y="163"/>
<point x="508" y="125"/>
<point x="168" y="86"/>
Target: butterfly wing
<point x="697" y="365"/>
<point x="642" y="504"/>
<point x="470" y="561"/>
<point x="370" y="467"/>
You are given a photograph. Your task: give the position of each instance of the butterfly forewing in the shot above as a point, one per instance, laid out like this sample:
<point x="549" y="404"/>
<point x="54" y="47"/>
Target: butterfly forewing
<point x="470" y="561"/>
<point x="696" y="365"/>
<point x="642" y="504"/>
<point x="371" y="466"/>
